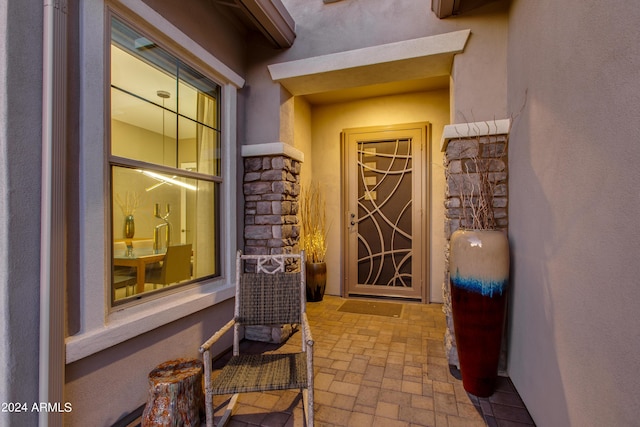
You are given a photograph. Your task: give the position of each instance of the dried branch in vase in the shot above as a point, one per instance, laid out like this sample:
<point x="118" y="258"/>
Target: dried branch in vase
<point x="313" y="223"/>
<point x="480" y="178"/>
<point x="130" y="203"/>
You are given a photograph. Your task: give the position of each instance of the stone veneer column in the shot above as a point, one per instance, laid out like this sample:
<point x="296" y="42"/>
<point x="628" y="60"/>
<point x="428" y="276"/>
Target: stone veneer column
<point x="271" y="190"/>
<point x="485" y="141"/>
<point x="271" y="187"/>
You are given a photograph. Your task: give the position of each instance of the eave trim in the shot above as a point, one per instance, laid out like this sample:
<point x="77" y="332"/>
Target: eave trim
<point x="273" y="20"/>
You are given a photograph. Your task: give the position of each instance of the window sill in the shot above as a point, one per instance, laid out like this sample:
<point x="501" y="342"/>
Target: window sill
<point x="133" y="321"/>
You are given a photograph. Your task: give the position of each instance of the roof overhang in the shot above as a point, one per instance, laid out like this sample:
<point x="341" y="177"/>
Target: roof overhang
<point x="270" y="17"/>
<point x="423" y="58"/>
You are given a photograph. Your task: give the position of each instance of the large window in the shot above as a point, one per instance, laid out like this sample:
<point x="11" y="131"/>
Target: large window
<point x="164" y="160"/>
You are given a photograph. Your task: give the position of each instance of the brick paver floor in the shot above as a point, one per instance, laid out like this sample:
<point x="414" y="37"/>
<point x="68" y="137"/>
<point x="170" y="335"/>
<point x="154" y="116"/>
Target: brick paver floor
<point x="378" y="371"/>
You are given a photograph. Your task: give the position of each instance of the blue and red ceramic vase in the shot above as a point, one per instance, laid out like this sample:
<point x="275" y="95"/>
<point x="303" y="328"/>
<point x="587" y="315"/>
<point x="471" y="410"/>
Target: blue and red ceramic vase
<point x="479" y="275"/>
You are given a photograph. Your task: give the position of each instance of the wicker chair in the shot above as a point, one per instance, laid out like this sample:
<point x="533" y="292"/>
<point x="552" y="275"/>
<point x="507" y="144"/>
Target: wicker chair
<point x="269" y="296"/>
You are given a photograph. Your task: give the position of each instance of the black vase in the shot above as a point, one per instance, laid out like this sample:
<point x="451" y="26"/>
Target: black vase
<point x="316" y="275"/>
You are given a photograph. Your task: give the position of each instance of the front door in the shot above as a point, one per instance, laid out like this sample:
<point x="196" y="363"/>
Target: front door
<point x="385" y="194"/>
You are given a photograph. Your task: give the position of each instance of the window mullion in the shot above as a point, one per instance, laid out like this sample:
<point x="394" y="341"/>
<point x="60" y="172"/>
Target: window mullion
<point x="137" y="164"/>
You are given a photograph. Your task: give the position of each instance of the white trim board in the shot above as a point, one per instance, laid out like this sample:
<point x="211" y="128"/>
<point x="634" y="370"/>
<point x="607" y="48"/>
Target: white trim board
<point x="272" y="149"/>
<point x="474" y="129"/>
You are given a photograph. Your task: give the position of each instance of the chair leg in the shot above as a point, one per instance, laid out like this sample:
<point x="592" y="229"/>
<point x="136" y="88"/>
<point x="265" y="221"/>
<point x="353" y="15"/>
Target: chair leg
<point x="208" y="393"/>
<point x="307" y="404"/>
<point x="226" y="417"/>
<point x="208" y="407"/>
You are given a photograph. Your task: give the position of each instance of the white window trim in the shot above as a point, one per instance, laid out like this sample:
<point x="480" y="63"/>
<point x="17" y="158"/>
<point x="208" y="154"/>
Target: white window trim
<point x="102" y="327"/>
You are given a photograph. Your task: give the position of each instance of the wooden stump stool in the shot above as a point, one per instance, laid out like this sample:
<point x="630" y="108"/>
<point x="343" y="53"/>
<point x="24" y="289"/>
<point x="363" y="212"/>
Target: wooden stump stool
<point x="175" y="394"/>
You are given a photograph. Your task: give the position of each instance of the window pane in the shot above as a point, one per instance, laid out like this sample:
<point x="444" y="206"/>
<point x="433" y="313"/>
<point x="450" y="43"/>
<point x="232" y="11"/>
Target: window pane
<point x="198" y="97"/>
<point x="209" y="151"/>
<point x="127" y="71"/>
<point x="141" y="130"/>
<point x="143" y="71"/>
<point x="163" y="112"/>
<point x="199" y="147"/>
<point x="156" y="216"/>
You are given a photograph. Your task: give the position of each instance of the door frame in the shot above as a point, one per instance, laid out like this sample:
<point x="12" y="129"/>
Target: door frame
<point x="421" y="234"/>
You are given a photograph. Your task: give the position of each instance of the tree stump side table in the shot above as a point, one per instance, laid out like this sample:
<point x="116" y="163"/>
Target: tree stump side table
<point x="175" y="394"/>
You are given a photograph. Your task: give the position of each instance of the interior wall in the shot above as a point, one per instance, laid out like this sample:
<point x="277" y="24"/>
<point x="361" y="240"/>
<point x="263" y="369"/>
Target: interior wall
<point x="136" y="142"/>
<point x="328" y="121"/>
<point x="574" y="202"/>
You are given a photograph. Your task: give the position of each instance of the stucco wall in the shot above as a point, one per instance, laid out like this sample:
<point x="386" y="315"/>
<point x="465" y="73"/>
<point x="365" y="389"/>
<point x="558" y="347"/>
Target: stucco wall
<point x="209" y="26"/>
<point x="109" y="385"/>
<point x="355" y="24"/>
<point x="479" y="75"/>
<point x="263" y="96"/>
<point x="20" y="159"/>
<point x="328" y="121"/>
<point x="575" y="163"/>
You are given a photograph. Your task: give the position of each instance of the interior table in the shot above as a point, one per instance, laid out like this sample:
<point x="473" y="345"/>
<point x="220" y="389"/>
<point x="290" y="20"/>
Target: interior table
<point x="138" y="258"/>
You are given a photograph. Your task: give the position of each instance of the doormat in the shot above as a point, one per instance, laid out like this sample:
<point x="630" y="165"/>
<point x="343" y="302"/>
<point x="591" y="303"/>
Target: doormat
<point x="375" y="308"/>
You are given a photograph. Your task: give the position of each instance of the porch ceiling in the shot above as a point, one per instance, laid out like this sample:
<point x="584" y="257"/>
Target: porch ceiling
<point x="382" y="89"/>
<point x="418" y="64"/>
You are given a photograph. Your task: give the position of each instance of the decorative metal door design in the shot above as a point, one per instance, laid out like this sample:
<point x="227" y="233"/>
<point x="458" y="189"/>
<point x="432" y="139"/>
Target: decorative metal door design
<point x="384" y="198"/>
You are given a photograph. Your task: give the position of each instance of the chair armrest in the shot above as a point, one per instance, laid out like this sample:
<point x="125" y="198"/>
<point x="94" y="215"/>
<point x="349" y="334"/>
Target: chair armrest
<point x="215" y="337"/>
<point x="306" y="330"/>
